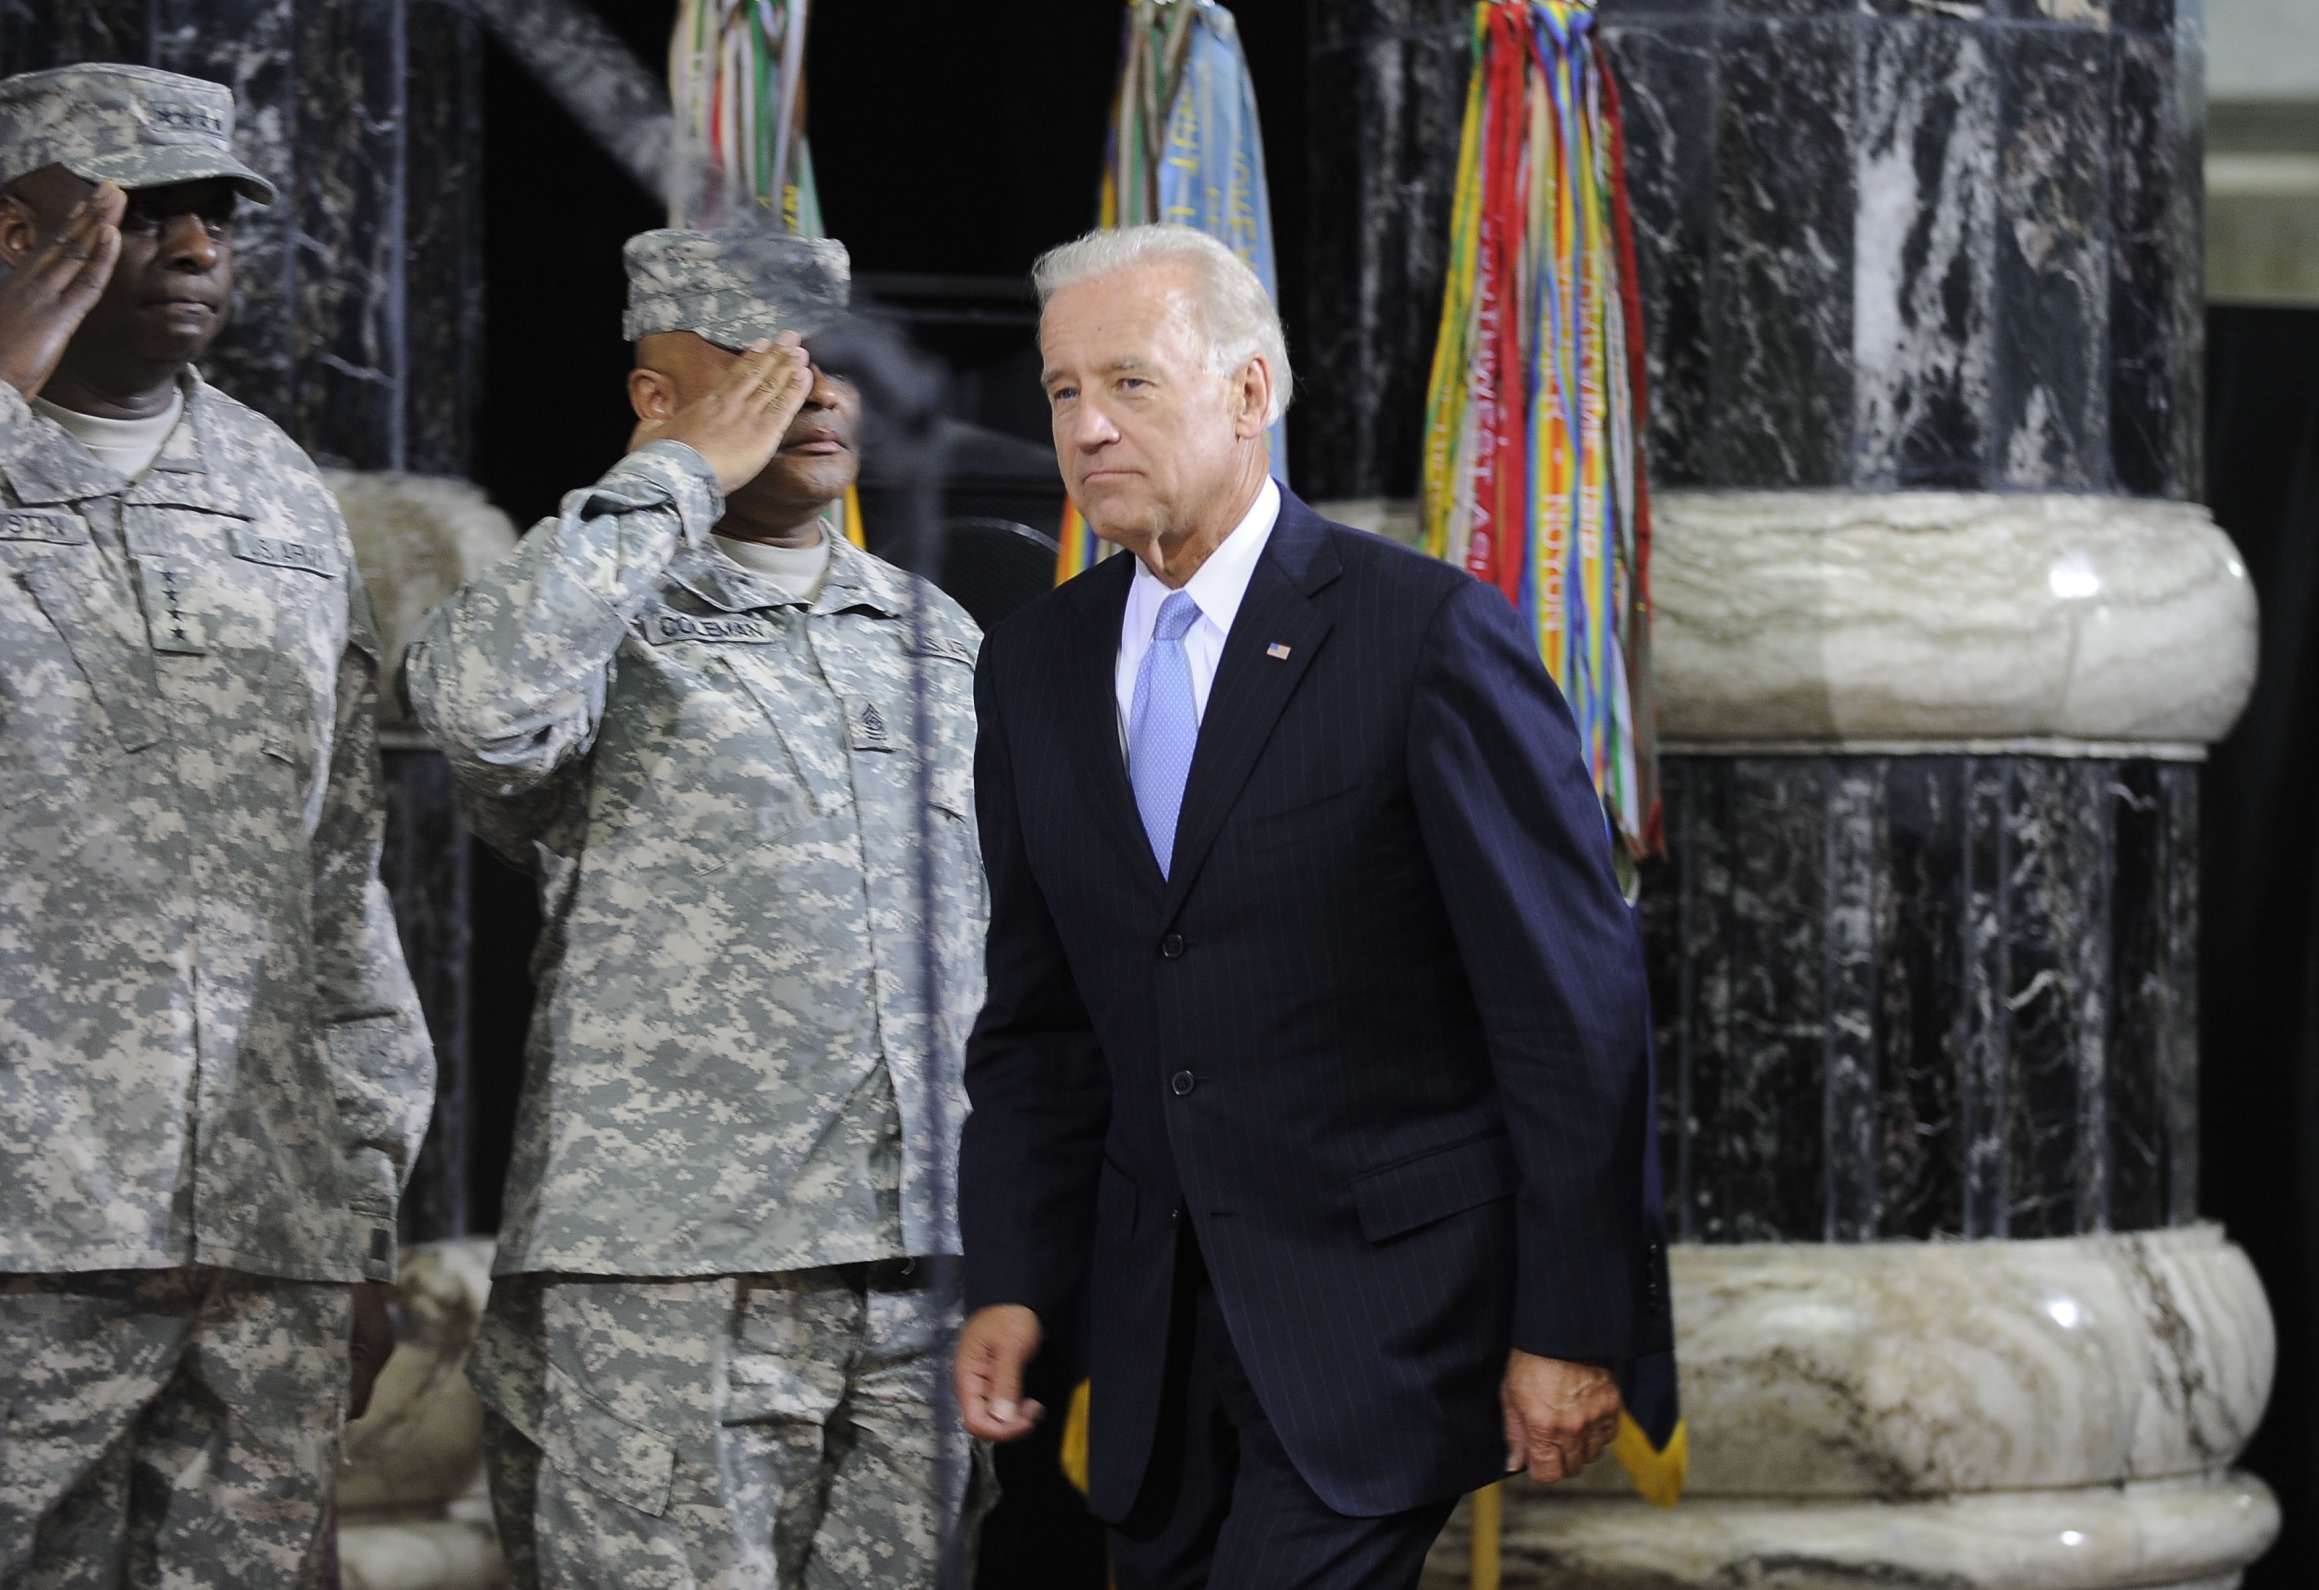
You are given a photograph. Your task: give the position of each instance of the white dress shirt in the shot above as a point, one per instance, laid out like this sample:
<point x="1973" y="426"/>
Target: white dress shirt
<point x="1217" y="586"/>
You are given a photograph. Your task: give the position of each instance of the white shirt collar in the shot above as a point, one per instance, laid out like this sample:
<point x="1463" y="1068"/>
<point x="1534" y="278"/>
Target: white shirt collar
<point x="1219" y="584"/>
<point x="1218" y="587"/>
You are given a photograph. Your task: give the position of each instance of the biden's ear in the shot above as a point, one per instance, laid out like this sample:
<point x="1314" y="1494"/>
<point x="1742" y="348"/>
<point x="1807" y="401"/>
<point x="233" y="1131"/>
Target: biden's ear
<point x="651" y="394"/>
<point x="1252" y="399"/>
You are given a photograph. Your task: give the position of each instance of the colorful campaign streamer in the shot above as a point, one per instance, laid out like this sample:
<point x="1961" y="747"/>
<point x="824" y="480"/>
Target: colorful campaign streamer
<point x="1184" y="149"/>
<point x="736" y="75"/>
<point x="1533" y="469"/>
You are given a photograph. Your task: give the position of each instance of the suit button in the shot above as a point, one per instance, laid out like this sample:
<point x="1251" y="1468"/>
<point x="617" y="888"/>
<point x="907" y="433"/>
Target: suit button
<point x="1173" y="946"/>
<point x="1183" y="1082"/>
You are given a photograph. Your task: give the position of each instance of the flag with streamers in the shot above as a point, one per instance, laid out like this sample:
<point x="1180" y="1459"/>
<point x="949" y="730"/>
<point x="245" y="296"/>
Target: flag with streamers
<point x="736" y="77"/>
<point x="1533" y="473"/>
<point x="1533" y="470"/>
<point x="1184" y="149"/>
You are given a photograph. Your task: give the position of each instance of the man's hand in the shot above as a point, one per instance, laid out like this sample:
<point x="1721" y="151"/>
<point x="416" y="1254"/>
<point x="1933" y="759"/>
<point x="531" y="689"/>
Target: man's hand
<point x="988" y="1372"/>
<point x="739" y="424"/>
<point x="1560" y="1416"/>
<point x="371" y="1345"/>
<point x="44" y="300"/>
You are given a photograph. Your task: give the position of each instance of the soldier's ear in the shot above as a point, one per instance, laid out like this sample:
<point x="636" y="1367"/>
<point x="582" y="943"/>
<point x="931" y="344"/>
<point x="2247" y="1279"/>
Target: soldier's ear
<point x="651" y="394"/>
<point x="19" y="230"/>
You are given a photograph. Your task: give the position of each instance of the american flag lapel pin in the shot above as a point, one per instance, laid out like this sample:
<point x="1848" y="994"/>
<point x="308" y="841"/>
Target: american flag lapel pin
<point x="1277" y="651"/>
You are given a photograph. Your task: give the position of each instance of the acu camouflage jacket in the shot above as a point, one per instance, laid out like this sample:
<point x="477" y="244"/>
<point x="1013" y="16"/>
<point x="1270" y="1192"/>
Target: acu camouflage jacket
<point x="718" y="787"/>
<point x="210" y="1051"/>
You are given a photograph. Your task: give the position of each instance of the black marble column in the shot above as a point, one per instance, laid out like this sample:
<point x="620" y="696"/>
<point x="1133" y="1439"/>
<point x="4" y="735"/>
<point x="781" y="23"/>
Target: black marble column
<point x="1386" y="88"/>
<point x="1922" y="996"/>
<point x="367" y="116"/>
<point x="1881" y="245"/>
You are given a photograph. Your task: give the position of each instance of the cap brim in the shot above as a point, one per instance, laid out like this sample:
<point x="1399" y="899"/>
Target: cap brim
<point x="161" y="168"/>
<point x="738" y="333"/>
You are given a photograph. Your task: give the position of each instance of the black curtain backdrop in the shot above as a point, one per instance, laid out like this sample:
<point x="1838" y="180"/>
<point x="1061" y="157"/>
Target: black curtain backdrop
<point x="2259" y="999"/>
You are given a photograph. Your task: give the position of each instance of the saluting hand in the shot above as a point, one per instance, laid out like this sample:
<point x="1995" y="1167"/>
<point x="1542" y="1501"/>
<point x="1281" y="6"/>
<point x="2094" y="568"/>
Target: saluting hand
<point x="50" y="292"/>
<point x="1560" y="1416"/>
<point x="738" y="425"/>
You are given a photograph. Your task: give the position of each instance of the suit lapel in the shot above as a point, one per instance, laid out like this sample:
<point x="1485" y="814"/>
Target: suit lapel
<point x="1253" y="684"/>
<point x="1090" y="707"/>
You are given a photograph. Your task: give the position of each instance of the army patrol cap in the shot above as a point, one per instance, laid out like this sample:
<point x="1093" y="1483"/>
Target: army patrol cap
<point x="132" y="125"/>
<point x="733" y="287"/>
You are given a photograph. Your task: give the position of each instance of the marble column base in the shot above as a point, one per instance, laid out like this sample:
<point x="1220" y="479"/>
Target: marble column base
<point x="2026" y="1415"/>
<point x="2191" y="1534"/>
<point x="1922" y="622"/>
<point x="1925" y="618"/>
<point x="419" y="1449"/>
<point x="413" y="1513"/>
<point x="1893" y="1370"/>
<point x="429" y="1554"/>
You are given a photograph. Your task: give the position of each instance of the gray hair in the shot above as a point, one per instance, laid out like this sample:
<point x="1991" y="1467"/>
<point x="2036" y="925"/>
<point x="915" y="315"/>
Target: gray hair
<point x="1242" y="323"/>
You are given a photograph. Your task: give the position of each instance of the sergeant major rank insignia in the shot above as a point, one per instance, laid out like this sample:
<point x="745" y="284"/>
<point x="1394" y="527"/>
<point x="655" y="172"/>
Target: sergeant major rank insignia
<point x="870" y="731"/>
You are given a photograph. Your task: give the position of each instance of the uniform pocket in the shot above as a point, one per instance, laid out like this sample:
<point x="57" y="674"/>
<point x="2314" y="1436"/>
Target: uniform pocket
<point x="1432" y="1186"/>
<point x="602" y="1451"/>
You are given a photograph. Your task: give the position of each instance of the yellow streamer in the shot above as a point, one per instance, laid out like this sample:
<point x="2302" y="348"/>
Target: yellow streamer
<point x="1489" y="1536"/>
<point x="1658" y="1476"/>
<point x="1074" y="1457"/>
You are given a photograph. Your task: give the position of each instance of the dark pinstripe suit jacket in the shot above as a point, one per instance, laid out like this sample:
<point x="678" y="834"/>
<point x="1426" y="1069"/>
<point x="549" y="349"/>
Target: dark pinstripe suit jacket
<point x="1380" y="1037"/>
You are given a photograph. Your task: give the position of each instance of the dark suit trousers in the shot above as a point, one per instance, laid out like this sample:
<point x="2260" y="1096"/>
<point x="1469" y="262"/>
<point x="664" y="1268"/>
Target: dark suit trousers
<point x="1223" y="1507"/>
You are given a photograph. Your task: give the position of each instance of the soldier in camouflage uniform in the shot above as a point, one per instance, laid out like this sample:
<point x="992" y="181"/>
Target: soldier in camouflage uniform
<point x="213" y="1074"/>
<point x="725" y="1289"/>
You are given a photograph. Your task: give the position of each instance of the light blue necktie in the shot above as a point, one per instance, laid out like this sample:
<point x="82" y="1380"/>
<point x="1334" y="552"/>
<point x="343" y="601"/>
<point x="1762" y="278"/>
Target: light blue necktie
<point x="1163" y="726"/>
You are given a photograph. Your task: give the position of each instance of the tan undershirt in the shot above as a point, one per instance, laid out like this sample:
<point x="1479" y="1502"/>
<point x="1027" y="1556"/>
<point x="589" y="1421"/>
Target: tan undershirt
<point x="127" y="447"/>
<point x="798" y="571"/>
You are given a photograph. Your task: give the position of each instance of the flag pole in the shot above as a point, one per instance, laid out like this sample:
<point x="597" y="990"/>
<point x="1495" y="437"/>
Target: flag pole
<point x="1489" y="1536"/>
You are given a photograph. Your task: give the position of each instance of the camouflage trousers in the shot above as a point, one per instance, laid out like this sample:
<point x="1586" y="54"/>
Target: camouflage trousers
<point x="168" y="1427"/>
<point x="737" y="1433"/>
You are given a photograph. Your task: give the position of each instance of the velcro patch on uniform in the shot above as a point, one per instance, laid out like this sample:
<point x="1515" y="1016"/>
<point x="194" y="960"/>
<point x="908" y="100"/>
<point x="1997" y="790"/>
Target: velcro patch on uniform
<point x="957" y="651"/>
<point x="282" y="553"/>
<point x="871" y="732"/>
<point x="667" y="628"/>
<point x="43" y="524"/>
<point x="171" y="617"/>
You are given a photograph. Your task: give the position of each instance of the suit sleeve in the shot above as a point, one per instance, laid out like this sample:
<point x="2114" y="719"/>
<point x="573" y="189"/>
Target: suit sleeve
<point x="1036" y="1079"/>
<point x="1521" y="848"/>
